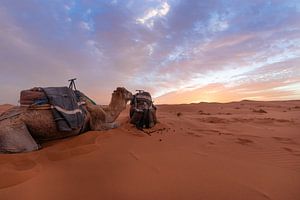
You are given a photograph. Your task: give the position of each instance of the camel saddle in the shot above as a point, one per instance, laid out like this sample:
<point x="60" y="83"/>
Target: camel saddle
<point x="67" y="109"/>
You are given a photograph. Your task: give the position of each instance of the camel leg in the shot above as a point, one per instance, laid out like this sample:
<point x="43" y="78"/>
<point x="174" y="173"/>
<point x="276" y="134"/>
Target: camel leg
<point x="15" y="137"/>
<point x="106" y="126"/>
<point x="111" y="125"/>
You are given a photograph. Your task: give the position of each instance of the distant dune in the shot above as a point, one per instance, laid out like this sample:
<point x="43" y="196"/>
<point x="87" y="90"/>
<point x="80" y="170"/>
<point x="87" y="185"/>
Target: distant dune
<point x="239" y="150"/>
<point x="5" y="107"/>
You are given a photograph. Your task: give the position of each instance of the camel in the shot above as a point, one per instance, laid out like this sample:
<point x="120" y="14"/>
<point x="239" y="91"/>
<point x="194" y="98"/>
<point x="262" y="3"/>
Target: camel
<point x="22" y="129"/>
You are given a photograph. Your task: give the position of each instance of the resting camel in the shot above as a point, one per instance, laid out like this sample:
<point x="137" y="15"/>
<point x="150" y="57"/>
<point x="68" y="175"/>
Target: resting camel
<point x="21" y="129"/>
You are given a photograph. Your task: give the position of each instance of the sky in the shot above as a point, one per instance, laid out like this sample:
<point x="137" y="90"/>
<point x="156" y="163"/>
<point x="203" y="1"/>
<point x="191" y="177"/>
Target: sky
<point x="182" y="51"/>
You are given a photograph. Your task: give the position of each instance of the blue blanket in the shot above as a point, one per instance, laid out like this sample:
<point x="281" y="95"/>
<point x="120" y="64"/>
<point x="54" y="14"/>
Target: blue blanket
<point x="67" y="110"/>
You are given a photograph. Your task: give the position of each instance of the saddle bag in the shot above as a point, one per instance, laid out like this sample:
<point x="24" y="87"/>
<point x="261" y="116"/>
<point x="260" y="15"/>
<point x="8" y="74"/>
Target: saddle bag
<point x="142" y="110"/>
<point x="33" y="96"/>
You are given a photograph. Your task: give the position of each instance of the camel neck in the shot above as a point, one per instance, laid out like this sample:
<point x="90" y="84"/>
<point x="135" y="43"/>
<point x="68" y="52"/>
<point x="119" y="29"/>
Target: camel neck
<point x="115" y="107"/>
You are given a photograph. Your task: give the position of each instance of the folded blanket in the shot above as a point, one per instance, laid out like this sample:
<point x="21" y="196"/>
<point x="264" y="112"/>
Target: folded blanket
<point x="67" y="109"/>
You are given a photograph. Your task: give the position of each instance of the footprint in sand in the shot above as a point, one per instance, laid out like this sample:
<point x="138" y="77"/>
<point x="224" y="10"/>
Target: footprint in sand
<point x="214" y="120"/>
<point x="194" y="134"/>
<point x="292" y="151"/>
<point x="207" y="131"/>
<point x="134" y="155"/>
<point x="17" y="171"/>
<point x="284" y="140"/>
<point x="244" y="141"/>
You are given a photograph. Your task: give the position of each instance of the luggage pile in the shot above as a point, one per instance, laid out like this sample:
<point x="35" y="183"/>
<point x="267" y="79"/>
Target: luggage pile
<point x="142" y="110"/>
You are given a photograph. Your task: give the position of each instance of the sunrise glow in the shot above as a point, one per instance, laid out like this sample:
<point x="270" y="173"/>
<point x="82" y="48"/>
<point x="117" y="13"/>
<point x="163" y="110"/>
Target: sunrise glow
<point x="180" y="51"/>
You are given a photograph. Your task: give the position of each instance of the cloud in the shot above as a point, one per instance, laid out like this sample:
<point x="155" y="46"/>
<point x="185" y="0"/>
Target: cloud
<point x="171" y="48"/>
<point x="277" y="81"/>
<point x="148" y="18"/>
<point x="85" y="26"/>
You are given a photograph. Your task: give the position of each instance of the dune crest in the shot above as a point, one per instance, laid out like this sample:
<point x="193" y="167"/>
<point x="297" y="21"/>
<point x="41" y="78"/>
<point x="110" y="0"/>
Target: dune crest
<point x="5" y="107"/>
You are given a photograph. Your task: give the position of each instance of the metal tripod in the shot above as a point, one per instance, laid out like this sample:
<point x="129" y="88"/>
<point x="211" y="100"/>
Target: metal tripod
<point x="72" y="84"/>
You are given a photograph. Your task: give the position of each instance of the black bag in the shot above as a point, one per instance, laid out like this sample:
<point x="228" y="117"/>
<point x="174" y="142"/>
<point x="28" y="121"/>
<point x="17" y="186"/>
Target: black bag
<point x="142" y="110"/>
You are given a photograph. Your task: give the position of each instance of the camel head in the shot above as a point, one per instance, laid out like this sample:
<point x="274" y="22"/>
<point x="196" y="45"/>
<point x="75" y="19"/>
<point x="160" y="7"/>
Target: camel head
<point x="122" y="94"/>
<point x="126" y="94"/>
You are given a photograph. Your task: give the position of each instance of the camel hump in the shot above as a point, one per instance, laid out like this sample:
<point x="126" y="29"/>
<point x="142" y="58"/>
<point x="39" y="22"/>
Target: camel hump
<point x="15" y="138"/>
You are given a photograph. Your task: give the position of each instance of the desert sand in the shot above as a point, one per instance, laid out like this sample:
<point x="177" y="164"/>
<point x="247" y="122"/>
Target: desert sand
<point x="240" y="150"/>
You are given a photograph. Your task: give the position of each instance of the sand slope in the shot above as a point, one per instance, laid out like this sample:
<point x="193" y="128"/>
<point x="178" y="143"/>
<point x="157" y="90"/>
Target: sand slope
<point x="5" y="107"/>
<point x="242" y="150"/>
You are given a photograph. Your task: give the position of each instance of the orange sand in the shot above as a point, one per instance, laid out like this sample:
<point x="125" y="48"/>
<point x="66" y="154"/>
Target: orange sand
<point x="198" y="151"/>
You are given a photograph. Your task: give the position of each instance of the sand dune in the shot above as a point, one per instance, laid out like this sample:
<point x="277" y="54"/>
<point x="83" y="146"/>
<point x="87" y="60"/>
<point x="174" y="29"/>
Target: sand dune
<point x="240" y="150"/>
<point x="4" y="107"/>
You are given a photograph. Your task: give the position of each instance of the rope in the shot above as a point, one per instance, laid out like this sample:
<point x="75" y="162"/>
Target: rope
<point x="93" y="102"/>
<point x="9" y="116"/>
